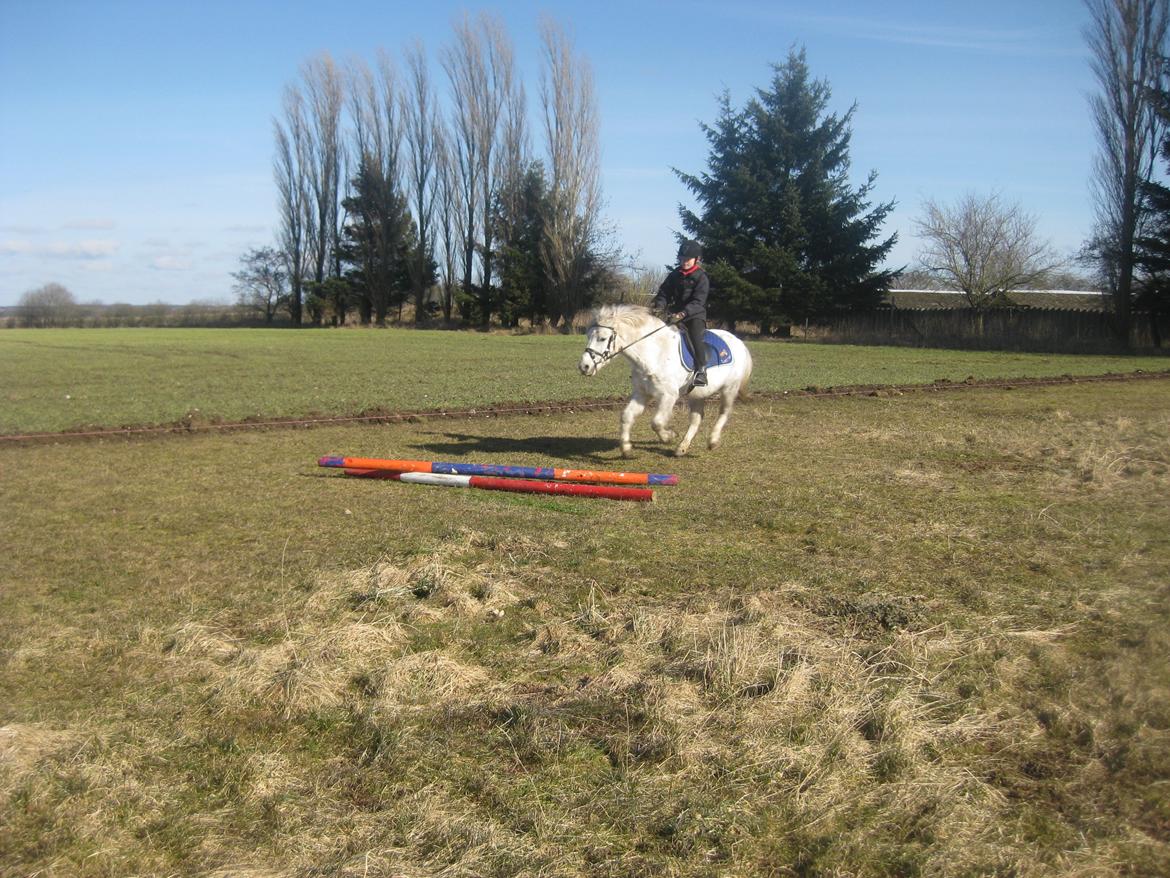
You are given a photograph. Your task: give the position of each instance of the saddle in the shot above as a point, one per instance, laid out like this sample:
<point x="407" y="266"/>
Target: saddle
<point x="714" y="346"/>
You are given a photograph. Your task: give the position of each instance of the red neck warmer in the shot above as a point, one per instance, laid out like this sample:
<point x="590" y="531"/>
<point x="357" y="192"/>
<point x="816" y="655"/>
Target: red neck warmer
<point x="687" y="272"/>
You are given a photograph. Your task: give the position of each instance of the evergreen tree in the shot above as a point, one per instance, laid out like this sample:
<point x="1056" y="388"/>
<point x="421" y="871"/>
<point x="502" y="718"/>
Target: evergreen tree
<point x="1152" y="247"/>
<point x="378" y="241"/>
<point x="1152" y="256"/>
<point x="785" y="236"/>
<point x="519" y="220"/>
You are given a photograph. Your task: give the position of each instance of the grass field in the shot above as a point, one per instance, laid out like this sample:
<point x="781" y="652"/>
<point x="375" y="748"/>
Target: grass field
<point x="66" y="379"/>
<point x="919" y="634"/>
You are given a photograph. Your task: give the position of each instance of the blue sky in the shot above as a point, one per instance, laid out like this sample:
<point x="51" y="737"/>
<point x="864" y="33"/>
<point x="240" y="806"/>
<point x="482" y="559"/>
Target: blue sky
<point x="136" y="137"/>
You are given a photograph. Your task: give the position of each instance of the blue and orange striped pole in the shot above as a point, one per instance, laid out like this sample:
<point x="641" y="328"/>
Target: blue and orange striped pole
<point x="556" y="474"/>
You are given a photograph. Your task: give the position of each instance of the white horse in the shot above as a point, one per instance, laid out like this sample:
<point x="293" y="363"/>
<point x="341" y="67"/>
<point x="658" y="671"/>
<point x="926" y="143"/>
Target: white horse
<point x="657" y="373"/>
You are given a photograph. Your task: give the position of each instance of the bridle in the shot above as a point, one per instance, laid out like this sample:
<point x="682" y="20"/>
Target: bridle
<point x="600" y="358"/>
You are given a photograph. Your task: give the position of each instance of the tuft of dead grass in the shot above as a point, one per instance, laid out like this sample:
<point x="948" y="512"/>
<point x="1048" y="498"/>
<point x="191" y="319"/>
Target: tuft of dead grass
<point x="24" y="746"/>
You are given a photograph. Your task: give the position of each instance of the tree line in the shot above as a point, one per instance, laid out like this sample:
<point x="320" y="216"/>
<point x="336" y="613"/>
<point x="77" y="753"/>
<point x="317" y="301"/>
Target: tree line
<point x="987" y="246"/>
<point x="393" y="190"/>
<point x="788" y="239"/>
<point x="52" y="305"/>
<point x="450" y="210"/>
<point x="390" y="195"/>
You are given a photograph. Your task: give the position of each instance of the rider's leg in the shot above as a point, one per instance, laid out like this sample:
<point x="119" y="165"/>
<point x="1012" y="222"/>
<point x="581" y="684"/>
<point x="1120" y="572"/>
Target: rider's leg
<point x="696" y="326"/>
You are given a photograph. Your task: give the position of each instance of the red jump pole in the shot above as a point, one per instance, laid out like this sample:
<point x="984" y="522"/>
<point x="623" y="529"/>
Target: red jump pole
<point x="523" y="486"/>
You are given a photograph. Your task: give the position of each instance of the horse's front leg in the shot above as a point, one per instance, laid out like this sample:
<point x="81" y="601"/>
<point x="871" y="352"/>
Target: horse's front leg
<point x="662" y="415"/>
<point x="696" y="406"/>
<point x="633" y="408"/>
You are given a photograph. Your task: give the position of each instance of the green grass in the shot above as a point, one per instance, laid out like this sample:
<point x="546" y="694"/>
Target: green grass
<point x="871" y="636"/>
<point x="67" y="379"/>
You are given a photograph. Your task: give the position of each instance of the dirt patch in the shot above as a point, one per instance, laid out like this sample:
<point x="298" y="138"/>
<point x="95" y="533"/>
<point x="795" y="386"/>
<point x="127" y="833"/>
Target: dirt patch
<point x="192" y="423"/>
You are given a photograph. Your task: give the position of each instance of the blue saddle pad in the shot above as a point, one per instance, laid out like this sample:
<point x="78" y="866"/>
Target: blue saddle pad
<point x="718" y="353"/>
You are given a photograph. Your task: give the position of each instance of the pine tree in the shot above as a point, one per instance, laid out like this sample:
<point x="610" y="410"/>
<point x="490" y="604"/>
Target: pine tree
<point x="785" y="235"/>
<point x="519" y="220"/>
<point x="379" y="239"/>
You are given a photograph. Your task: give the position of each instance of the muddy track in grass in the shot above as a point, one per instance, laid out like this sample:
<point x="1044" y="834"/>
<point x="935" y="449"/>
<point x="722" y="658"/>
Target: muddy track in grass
<point x="191" y="425"/>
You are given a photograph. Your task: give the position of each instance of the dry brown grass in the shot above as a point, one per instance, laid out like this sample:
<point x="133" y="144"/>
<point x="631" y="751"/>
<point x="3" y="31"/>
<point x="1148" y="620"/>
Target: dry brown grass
<point x="749" y="703"/>
<point x="719" y="695"/>
<point x="943" y="657"/>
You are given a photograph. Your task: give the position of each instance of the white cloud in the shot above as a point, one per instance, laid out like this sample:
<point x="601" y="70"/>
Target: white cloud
<point x="83" y="225"/>
<point x="98" y="266"/>
<point x="93" y="249"/>
<point x="170" y="262"/>
<point x="1002" y="40"/>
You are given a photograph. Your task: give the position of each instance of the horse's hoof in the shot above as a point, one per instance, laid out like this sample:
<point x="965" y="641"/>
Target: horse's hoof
<point x="681" y="451"/>
<point x="668" y="436"/>
<point x="627" y="451"/>
<point x="711" y="446"/>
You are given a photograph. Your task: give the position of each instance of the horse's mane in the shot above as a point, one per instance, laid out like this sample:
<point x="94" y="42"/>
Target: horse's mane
<point x="624" y="317"/>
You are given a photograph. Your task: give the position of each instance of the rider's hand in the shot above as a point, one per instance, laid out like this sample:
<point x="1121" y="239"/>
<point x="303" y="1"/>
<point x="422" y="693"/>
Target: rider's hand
<point x="678" y="315"/>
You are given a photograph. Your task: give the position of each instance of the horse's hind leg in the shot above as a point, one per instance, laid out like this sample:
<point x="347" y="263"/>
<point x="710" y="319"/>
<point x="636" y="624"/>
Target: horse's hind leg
<point x="696" y="406"/>
<point x="633" y="408"/>
<point x="726" y="403"/>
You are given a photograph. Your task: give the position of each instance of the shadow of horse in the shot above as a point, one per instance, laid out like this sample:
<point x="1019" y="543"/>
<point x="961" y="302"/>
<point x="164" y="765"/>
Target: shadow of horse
<point x="456" y="446"/>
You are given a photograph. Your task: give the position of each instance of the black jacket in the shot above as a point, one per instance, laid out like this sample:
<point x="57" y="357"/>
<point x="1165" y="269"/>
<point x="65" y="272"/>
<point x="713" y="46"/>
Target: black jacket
<point x="687" y="293"/>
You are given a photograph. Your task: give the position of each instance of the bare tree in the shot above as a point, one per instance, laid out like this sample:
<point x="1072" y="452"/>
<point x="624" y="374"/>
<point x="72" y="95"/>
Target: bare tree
<point x="633" y="284"/>
<point x="421" y="118"/>
<point x="374" y="105"/>
<point x="500" y="83"/>
<point x="484" y="85"/>
<point x="49" y="305"/>
<point x="572" y="227"/>
<point x="465" y="66"/>
<point x="325" y="92"/>
<point x="449" y="214"/>
<point x="984" y="247"/>
<point x="297" y="217"/>
<point x="261" y="281"/>
<point x="1127" y="39"/>
<point x="512" y="165"/>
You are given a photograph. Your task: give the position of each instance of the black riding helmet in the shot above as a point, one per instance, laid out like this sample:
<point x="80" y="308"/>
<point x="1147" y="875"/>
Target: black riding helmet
<point x="689" y="250"/>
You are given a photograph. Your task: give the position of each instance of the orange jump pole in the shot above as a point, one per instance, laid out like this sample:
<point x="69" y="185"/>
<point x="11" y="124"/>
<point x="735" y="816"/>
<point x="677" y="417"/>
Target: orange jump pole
<point x="523" y="486"/>
<point x="499" y="471"/>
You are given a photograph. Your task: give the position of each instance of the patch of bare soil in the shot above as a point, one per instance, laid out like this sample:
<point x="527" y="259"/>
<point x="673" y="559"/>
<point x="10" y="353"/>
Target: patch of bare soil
<point x="193" y="423"/>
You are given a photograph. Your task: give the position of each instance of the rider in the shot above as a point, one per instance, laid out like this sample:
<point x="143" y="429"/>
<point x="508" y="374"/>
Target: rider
<point x="685" y="292"/>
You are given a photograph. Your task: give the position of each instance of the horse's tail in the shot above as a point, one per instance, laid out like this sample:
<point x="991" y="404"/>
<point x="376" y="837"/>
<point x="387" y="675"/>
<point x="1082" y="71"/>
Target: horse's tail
<point x="747" y="376"/>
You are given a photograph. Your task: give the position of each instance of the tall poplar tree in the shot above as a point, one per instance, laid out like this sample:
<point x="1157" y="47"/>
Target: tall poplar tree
<point x="1128" y="42"/>
<point x="786" y="237"/>
<point x="1152" y="249"/>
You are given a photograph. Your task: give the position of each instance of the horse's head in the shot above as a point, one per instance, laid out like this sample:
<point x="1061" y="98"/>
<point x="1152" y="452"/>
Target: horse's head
<point x="613" y="329"/>
<point x="600" y="347"/>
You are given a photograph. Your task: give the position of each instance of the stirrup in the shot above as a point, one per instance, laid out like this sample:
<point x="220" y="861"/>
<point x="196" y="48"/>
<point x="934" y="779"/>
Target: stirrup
<point x="700" y="379"/>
